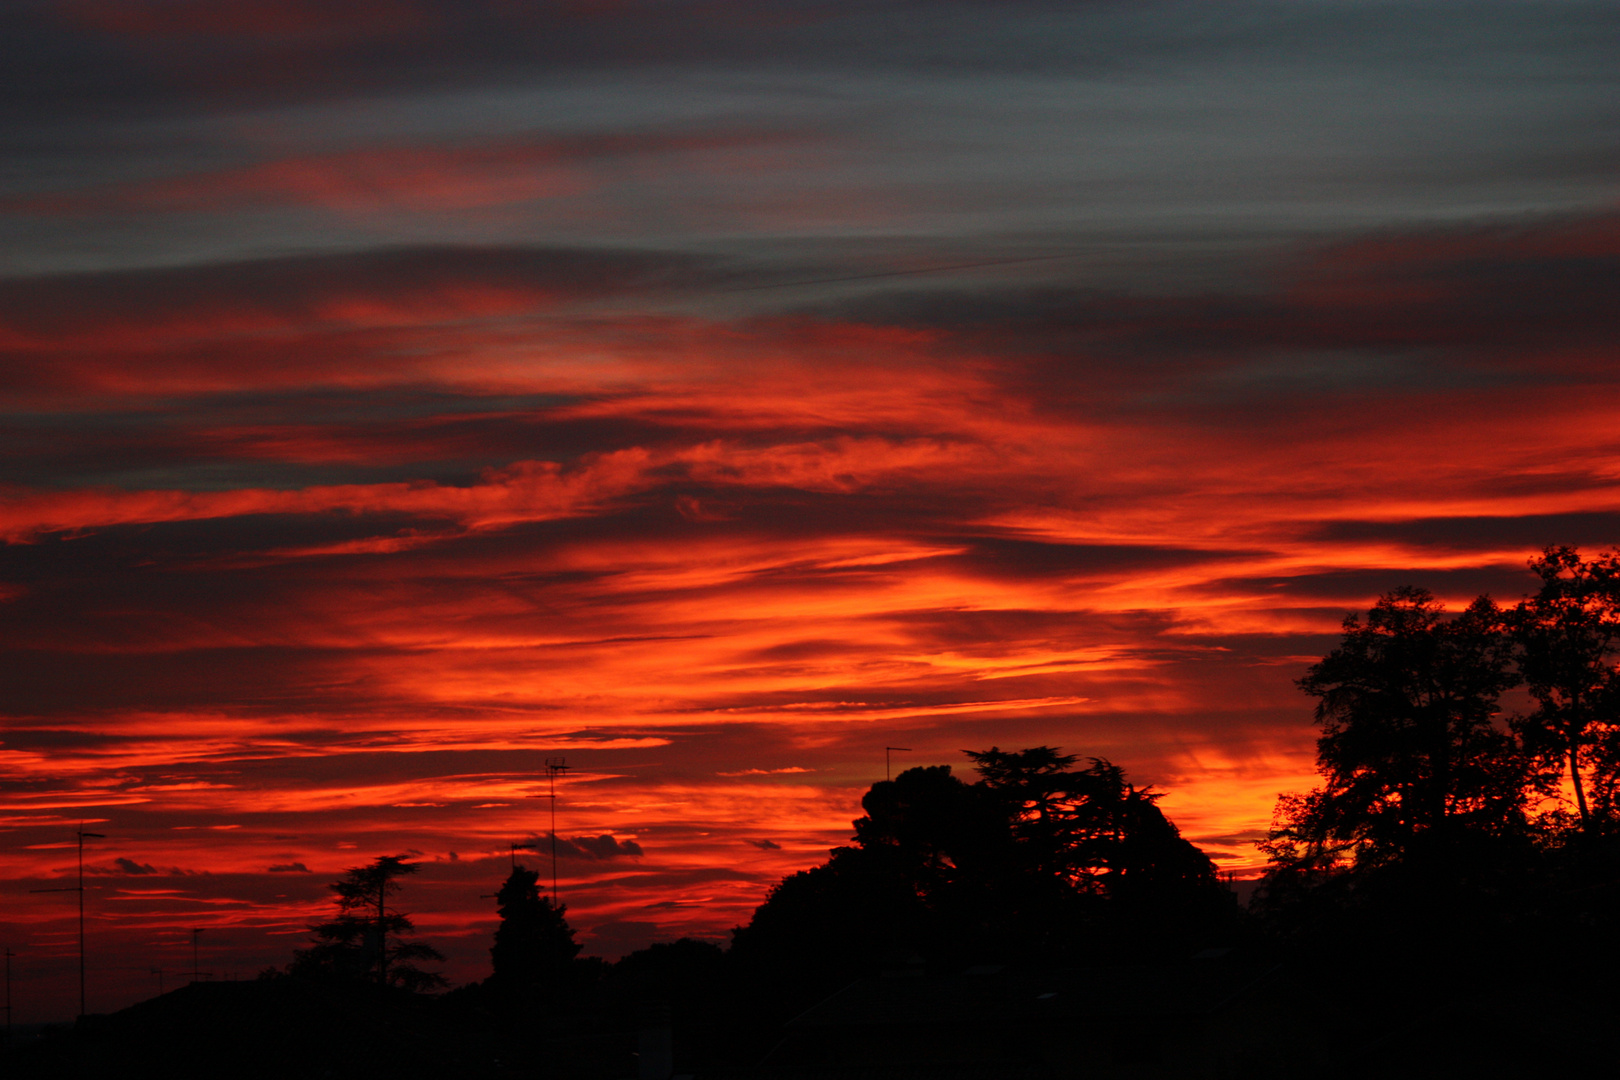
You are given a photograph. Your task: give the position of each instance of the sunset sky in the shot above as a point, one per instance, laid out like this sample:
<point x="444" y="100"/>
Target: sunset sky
<point x="397" y="393"/>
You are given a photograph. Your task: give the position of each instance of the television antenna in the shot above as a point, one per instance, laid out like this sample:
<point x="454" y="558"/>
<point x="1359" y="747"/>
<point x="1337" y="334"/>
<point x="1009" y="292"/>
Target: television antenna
<point x="9" y="955"/>
<point x="554" y="767"/>
<point x="79" y="888"/>
<point x="196" y="975"/>
<point x="886" y="750"/>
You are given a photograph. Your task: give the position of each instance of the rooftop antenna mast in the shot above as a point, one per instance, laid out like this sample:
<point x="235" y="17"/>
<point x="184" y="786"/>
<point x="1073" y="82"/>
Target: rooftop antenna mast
<point x="526" y="845"/>
<point x="79" y="888"/>
<point x="196" y="973"/>
<point x="9" y="955"/>
<point x="554" y="765"/>
<point x="886" y="768"/>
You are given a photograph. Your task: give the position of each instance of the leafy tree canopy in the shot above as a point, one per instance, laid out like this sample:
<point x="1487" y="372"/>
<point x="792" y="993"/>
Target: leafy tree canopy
<point x="1568" y="635"/>
<point x="1409" y="755"/>
<point x="1035" y="857"/>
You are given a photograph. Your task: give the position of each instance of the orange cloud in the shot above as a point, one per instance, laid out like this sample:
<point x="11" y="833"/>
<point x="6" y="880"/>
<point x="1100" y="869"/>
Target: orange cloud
<point x="433" y="520"/>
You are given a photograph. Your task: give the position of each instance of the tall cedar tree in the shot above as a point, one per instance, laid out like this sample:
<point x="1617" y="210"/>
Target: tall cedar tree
<point x="1569" y="638"/>
<point x="367" y="941"/>
<point x="1409" y="754"/>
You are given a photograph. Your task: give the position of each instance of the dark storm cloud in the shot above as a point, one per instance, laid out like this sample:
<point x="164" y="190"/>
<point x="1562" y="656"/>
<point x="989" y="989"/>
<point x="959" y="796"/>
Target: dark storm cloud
<point x="174" y="52"/>
<point x="20" y="737"/>
<point x="1411" y="310"/>
<point x="288" y="441"/>
<point x="602" y="848"/>
<point x="673" y="879"/>
<point x="1529" y="532"/>
<point x="122" y="867"/>
<point x="316" y="289"/>
<point x="1352" y="588"/>
<point x="1001" y="557"/>
<point x="401" y="174"/>
<point x="58" y="683"/>
<point x="86" y="52"/>
<point x="947" y="628"/>
<point x="177" y="53"/>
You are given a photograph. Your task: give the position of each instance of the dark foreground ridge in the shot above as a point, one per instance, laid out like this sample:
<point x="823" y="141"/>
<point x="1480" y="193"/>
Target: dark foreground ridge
<point x="1216" y="1015"/>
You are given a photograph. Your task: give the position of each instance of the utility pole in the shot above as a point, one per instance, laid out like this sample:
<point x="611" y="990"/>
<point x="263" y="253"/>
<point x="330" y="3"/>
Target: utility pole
<point x="886" y="750"/>
<point x="79" y="888"/>
<point x="196" y="972"/>
<point x="382" y="929"/>
<point x="554" y="765"/>
<point x="9" y="955"/>
<point x="98" y="836"/>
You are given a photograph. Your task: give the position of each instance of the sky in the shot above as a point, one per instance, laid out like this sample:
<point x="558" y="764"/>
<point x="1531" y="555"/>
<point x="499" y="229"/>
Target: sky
<point x="398" y="394"/>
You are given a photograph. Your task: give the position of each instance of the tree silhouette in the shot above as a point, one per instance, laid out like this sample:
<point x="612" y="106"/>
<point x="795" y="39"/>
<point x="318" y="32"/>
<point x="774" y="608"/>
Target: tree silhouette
<point x="1036" y="858"/>
<point x="1569" y="637"/>
<point x="1088" y="827"/>
<point x="366" y="942"/>
<point x="534" y="945"/>
<point x="1408" y="752"/>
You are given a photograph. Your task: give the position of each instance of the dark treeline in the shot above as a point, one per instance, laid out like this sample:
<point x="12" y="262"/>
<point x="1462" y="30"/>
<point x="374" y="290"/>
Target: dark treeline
<point x="1444" y="903"/>
<point x="1035" y="859"/>
<point x="1454" y="881"/>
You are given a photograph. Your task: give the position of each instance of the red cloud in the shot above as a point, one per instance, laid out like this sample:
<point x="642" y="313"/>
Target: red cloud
<point x="407" y="177"/>
<point x="362" y="181"/>
<point x="524" y="491"/>
<point x="787" y="542"/>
